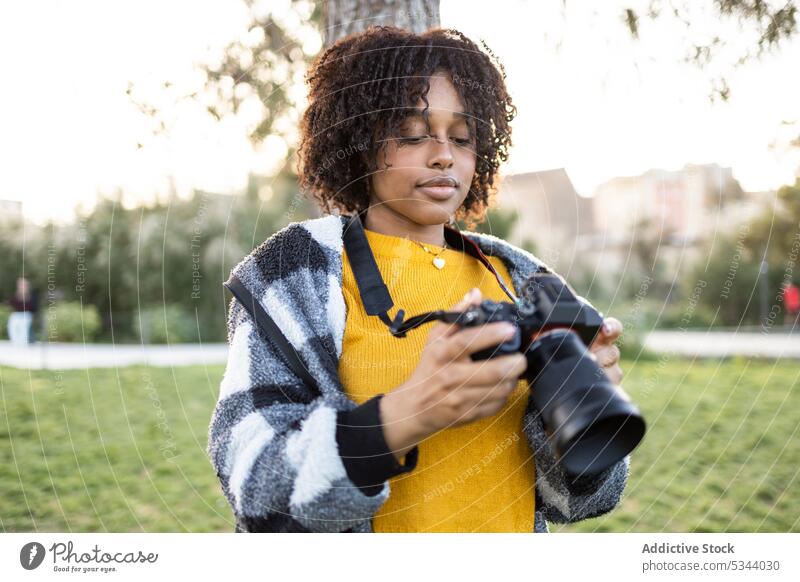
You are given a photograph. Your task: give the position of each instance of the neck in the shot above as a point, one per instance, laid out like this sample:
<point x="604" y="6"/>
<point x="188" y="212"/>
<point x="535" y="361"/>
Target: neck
<point x="383" y="220"/>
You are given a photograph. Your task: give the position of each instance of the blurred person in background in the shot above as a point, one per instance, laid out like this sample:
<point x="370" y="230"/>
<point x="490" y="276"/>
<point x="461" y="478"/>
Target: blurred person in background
<point x="24" y="304"/>
<point x="791" y="301"/>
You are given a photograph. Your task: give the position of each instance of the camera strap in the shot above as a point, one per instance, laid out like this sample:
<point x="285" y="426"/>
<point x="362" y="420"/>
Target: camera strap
<point x="271" y="330"/>
<point x="374" y="294"/>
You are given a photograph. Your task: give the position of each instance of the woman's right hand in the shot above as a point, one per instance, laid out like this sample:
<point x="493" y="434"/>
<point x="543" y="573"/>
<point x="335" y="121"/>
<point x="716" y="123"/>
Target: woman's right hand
<point x="448" y="388"/>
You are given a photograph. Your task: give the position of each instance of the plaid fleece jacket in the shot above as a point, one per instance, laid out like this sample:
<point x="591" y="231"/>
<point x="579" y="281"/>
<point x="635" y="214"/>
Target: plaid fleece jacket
<point x="277" y="444"/>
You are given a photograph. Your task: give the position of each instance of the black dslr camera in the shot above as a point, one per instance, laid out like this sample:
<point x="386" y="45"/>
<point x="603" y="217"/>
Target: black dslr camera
<point x="591" y="422"/>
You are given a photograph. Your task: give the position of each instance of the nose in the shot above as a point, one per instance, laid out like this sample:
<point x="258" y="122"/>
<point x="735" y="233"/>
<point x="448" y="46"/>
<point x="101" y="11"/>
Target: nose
<point x="442" y="155"/>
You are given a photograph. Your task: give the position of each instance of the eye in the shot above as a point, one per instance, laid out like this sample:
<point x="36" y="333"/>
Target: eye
<point x="412" y="139"/>
<point x="462" y="140"/>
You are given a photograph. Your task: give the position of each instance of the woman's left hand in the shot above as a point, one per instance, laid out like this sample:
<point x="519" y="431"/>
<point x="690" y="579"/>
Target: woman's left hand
<point x="605" y="352"/>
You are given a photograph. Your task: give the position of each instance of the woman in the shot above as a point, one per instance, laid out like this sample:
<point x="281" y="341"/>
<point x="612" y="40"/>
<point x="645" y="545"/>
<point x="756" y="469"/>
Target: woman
<point x="407" y="132"/>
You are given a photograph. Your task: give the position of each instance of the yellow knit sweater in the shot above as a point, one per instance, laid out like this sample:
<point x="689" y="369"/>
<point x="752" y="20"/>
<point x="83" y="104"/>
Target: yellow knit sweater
<point x="477" y="477"/>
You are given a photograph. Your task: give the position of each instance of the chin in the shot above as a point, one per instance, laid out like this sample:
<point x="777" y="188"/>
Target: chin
<point x="426" y="214"/>
<point x="430" y="212"/>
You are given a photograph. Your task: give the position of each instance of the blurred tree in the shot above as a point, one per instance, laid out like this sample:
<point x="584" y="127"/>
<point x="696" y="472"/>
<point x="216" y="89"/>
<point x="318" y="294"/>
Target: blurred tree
<point x="11" y="264"/>
<point x="778" y="229"/>
<point x="759" y="27"/>
<point x="344" y="17"/>
<point x="647" y="262"/>
<point x="774" y="236"/>
<point x="151" y="272"/>
<point x="731" y="276"/>
<point x="260" y="74"/>
<point x="732" y="269"/>
<point x="498" y="222"/>
<point x="272" y="53"/>
<point x="254" y="75"/>
<point x="259" y="71"/>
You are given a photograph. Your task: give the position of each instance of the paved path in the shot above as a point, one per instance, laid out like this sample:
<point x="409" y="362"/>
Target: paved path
<point x="63" y="356"/>
<point x="715" y="343"/>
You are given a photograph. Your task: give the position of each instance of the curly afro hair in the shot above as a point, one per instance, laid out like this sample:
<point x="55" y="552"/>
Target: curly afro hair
<point x="365" y="85"/>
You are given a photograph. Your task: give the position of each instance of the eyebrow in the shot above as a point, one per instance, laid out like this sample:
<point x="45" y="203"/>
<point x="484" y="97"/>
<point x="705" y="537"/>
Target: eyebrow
<point x="419" y="113"/>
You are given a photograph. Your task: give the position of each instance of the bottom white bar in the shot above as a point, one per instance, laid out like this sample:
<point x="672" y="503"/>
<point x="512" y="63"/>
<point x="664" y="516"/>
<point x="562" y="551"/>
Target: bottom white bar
<point x="400" y="557"/>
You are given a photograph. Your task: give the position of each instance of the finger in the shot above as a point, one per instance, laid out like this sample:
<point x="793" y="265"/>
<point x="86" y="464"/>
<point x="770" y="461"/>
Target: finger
<point x="615" y="374"/>
<point x="489" y="408"/>
<point x="441" y="329"/>
<point x="483" y="402"/>
<point x="501" y="369"/>
<point x="471" y="396"/>
<point x="613" y="355"/>
<point x="466" y="341"/>
<point x="600" y="354"/>
<point x="606" y="355"/>
<point x="471" y="298"/>
<point x="608" y="334"/>
<point x="611" y="330"/>
<point x="499" y="393"/>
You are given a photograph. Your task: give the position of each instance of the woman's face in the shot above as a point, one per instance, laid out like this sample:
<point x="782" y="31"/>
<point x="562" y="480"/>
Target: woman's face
<point x="442" y="148"/>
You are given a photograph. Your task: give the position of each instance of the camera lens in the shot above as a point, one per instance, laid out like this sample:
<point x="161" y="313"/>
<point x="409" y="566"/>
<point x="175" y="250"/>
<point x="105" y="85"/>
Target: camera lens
<point x="591" y="423"/>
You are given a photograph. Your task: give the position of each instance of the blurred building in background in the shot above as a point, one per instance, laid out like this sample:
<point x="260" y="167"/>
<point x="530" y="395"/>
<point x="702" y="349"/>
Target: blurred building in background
<point x="684" y="206"/>
<point x="673" y="211"/>
<point x="549" y="213"/>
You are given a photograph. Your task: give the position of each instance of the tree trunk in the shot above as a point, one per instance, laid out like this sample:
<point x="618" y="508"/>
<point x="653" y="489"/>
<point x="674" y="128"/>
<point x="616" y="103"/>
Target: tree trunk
<point x="343" y="17"/>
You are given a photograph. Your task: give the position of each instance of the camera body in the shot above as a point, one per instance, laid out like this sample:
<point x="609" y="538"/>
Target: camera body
<point x="591" y="422"/>
<point x="547" y="303"/>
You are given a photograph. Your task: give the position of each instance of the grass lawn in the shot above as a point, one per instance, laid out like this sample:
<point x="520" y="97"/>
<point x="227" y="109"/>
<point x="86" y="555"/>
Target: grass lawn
<point x="123" y="449"/>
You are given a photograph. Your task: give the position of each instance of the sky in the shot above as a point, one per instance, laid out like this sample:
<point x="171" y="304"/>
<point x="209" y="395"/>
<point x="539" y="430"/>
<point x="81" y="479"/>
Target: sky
<point x="589" y="98"/>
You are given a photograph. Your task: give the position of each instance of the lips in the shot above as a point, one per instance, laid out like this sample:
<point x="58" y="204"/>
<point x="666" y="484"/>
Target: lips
<point x="439" y="187"/>
<point x="443" y="181"/>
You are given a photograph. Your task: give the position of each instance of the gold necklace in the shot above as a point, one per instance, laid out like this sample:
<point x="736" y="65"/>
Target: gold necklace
<point x="438" y="261"/>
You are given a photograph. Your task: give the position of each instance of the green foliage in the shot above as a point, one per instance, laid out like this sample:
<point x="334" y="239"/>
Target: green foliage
<point x="166" y="325"/>
<point x="5" y="311"/>
<point x="646" y="262"/>
<point x="71" y="322"/>
<point x="777" y="230"/>
<point x="732" y="269"/>
<point x="721" y="287"/>
<point x="685" y="316"/>
<point x="175" y="253"/>
<point x="11" y="256"/>
<point x="731" y="273"/>
<point x="498" y="222"/>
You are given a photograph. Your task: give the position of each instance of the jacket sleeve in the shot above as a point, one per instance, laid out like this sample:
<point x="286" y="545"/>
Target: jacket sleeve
<point x="287" y="457"/>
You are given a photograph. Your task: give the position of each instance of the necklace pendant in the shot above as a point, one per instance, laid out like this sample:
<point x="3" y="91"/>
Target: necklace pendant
<point x="438" y="262"/>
